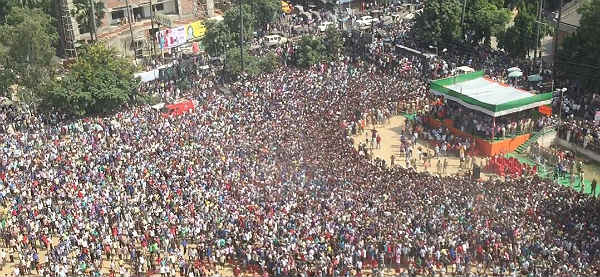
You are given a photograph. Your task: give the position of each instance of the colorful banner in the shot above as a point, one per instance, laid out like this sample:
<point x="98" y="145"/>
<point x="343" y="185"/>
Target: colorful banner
<point x="545" y="110"/>
<point x="195" y="30"/>
<point x="170" y="38"/>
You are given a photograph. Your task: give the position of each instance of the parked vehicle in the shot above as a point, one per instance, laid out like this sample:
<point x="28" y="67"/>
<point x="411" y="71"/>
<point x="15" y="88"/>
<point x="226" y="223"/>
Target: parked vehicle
<point x="324" y="26"/>
<point x="274" y="40"/>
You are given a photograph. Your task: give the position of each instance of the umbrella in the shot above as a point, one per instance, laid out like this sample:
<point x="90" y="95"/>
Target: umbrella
<point x="515" y="74"/>
<point x="465" y="68"/>
<point x="534" y="78"/>
<point x="513" y="69"/>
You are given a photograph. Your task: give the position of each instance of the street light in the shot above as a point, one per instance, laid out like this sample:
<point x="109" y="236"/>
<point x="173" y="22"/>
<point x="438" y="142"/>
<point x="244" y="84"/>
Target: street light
<point x="436" y="49"/>
<point x="562" y="90"/>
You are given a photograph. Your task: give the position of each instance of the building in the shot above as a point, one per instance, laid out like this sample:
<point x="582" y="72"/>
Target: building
<point x="115" y="27"/>
<point x="569" y="18"/>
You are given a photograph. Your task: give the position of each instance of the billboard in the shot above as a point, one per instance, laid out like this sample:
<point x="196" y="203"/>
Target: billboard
<point x="195" y="30"/>
<point x="170" y="38"/>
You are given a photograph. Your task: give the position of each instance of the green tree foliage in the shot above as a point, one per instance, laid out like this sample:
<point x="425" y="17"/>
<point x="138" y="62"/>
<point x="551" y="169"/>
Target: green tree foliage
<point x="26" y="51"/>
<point x="333" y="42"/>
<point x="265" y="12"/>
<point x="439" y="20"/>
<point x="233" y="62"/>
<point x="232" y="20"/>
<point x="311" y="50"/>
<point x="268" y="63"/>
<point x="99" y="82"/>
<point x="484" y="19"/>
<point x="47" y="6"/>
<point x="522" y="36"/>
<point x="579" y="54"/>
<point x="217" y="38"/>
<point x="82" y="13"/>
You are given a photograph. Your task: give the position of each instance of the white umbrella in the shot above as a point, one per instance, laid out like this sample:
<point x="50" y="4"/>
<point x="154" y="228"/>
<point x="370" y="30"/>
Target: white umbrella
<point x="515" y="74"/>
<point x="513" y="69"/>
<point x="534" y="78"/>
<point x="465" y="68"/>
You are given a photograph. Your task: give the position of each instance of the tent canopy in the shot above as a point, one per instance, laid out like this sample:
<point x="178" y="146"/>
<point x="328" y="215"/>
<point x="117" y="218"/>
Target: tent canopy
<point x="475" y="92"/>
<point x="534" y="78"/>
<point x="513" y="69"/>
<point x="465" y="68"/>
<point x="515" y="74"/>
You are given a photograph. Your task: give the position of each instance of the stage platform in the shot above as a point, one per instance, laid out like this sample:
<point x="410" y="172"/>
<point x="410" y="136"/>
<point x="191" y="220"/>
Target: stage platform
<point x="484" y="147"/>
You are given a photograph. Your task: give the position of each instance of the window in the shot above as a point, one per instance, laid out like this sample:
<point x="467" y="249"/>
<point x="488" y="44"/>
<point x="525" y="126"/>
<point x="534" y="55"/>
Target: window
<point x="159" y="7"/>
<point x="117" y="14"/>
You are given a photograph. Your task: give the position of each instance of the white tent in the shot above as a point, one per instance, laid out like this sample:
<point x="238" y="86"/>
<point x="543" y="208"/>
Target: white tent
<point x="465" y="69"/>
<point x="513" y="69"/>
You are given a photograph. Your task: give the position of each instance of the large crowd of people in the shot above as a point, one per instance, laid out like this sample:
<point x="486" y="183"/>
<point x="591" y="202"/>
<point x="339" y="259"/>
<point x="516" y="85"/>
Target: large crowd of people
<point x="266" y="181"/>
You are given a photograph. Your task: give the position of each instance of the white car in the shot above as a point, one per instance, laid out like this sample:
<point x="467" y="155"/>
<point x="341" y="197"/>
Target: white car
<point x="324" y="26"/>
<point x="274" y="40"/>
<point x="367" y="20"/>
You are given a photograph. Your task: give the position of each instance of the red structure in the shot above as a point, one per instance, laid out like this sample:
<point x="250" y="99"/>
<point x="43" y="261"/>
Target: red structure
<point x="484" y="147"/>
<point x="179" y="108"/>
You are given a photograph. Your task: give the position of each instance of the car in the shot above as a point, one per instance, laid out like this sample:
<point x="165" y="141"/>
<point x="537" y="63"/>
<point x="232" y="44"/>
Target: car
<point x="325" y="25"/>
<point x="274" y="40"/>
<point x="397" y="17"/>
<point x="367" y="20"/>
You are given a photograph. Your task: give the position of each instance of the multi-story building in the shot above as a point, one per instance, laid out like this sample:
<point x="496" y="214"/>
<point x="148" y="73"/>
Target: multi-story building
<point x="115" y="27"/>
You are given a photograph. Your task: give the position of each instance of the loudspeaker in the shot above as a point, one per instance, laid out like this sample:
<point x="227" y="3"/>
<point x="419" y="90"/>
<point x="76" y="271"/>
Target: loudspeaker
<point x="476" y="172"/>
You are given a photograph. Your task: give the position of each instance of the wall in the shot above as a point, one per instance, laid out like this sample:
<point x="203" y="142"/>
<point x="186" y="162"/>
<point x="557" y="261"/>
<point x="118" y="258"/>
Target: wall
<point x="592" y="155"/>
<point x="547" y="140"/>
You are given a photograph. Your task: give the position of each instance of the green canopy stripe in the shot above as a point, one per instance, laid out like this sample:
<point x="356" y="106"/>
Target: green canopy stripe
<point x="439" y="86"/>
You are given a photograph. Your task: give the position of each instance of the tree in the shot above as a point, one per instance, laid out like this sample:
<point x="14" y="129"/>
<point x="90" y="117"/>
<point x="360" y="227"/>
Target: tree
<point x="439" y="20"/>
<point x="579" y="54"/>
<point x="26" y="43"/>
<point x="232" y="20"/>
<point x="99" y="82"/>
<point x="47" y="6"/>
<point x="233" y="62"/>
<point x="484" y="19"/>
<point x="81" y="11"/>
<point x="217" y="38"/>
<point x="265" y="12"/>
<point x="520" y="37"/>
<point x="310" y="51"/>
<point x="333" y="42"/>
<point x="268" y="63"/>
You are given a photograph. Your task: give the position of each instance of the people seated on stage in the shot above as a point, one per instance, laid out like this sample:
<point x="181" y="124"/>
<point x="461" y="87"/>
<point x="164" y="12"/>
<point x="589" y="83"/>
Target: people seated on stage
<point x="482" y="125"/>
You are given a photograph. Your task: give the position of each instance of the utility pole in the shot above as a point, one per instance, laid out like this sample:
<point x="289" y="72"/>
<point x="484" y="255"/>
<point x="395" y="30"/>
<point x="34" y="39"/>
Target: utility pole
<point x="129" y="16"/>
<point x="555" y="52"/>
<point x="241" y="37"/>
<point x="92" y="21"/>
<point x="537" y="40"/>
<point x="462" y="19"/>
<point x="152" y="36"/>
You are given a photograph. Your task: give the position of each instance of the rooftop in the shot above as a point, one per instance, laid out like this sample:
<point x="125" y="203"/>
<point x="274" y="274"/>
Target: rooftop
<point x="476" y="92"/>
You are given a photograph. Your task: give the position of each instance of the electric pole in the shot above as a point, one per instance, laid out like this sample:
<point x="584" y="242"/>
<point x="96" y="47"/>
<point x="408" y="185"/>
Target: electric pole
<point x="462" y="19"/>
<point x="241" y="37"/>
<point x="93" y="35"/>
<point x="129" y="18"/>
<point x="537" y="39"/>
<point x="152" y="33"/>
<point x="555" y="52"/>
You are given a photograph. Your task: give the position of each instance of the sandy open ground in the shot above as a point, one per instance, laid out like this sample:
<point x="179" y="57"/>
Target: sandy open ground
<point x="390" y="145"/>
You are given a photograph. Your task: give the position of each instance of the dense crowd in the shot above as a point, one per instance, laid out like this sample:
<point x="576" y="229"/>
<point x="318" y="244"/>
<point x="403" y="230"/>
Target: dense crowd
<point x="584" y="133"/>
<point x="268" y="181"/>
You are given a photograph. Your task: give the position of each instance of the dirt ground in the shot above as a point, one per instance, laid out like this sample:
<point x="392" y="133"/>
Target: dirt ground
<point x="390" y="133"/>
